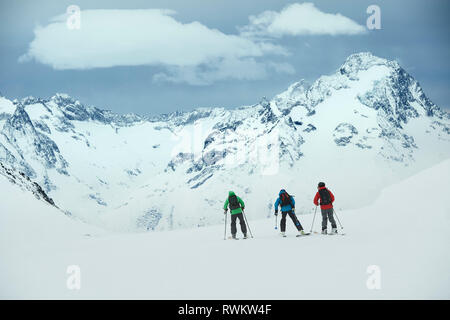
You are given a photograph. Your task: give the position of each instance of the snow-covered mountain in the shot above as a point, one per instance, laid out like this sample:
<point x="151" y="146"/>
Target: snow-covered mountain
<point x="366" y="126"/>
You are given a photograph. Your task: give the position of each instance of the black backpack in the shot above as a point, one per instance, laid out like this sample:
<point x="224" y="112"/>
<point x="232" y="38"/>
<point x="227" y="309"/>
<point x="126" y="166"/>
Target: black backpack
<point x="325" y="197"/>
<point x="233" y="202"/>
<point x="285" y="199"/>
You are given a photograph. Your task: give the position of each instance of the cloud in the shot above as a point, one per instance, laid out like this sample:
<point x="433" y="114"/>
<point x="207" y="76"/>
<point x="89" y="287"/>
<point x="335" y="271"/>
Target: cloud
<point x="189" y="52"/>
<point x="299" y="19"/>
<point x="240" y="69"/>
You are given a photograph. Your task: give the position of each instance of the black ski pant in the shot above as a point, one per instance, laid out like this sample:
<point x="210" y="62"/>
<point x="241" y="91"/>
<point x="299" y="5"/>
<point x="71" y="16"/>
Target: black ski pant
<point x="294" y="220"/>
<point x="241" y="221"/>
<point x="327" y="214"/>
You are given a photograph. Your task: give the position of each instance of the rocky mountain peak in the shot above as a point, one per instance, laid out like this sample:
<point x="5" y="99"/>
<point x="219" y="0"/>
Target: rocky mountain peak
<point x="363" y="61"/>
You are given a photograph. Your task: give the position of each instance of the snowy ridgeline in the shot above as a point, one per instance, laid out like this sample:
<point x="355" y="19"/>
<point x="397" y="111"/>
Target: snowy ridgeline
<point x="360" y="129"/>
<point x="25" y="184"/>
<point x="396" y="248"/>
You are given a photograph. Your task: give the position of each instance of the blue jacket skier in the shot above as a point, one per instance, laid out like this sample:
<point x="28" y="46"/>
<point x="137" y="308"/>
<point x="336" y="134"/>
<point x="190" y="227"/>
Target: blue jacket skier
<point x="287" y="204"/>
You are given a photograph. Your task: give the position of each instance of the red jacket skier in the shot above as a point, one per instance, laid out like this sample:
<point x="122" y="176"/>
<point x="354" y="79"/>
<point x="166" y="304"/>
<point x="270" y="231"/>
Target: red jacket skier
<point x="317" y="197"/>
<point x="326" y="206"/>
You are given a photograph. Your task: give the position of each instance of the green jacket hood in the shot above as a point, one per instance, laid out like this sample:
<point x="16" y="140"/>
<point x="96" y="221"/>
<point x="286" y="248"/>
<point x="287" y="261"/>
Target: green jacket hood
<point x="231" y="193"/>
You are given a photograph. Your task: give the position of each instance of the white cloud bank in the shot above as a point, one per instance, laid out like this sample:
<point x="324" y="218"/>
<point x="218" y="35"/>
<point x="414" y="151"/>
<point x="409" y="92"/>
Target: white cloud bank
<point x="187" y="52"/>
<point x="191" y="52"/>
<point x="300" y="19"/>
<point x="239" y="69"/>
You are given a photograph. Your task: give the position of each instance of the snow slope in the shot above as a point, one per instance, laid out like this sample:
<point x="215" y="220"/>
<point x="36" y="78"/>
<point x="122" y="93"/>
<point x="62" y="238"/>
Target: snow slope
<point x="367" y="124"/>
<point x="404" y="232"/>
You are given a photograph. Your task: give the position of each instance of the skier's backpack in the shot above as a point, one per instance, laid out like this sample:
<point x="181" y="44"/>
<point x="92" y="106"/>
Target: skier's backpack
<point x="285" y="199"/>
<point x="234" y="203"/>
<point x="325" y="197"/>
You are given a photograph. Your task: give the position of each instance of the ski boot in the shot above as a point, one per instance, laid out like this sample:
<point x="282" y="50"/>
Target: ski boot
<point x="245" y="236"/>
<point x="283" y="234"/>
<point x="302" y="232"/>
<point x="324" y="231"/>
<point x="233" y="236"/>
<point x="334" y="231"/>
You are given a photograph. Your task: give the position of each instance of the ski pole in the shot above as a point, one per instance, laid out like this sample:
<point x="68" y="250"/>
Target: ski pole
<point x="225" y="232"/>
<point x="276" y="221"/>
<point x="313" y="219"/>
<point x="247" y="223"/>
<point x="338" y="219"/>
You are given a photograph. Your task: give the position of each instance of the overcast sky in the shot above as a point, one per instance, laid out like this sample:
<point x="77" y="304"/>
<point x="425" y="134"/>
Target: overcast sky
<point x="152" y="57"/>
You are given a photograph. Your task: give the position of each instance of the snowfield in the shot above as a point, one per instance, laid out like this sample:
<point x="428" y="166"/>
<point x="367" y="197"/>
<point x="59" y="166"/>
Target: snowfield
<point x="405" y="233"/>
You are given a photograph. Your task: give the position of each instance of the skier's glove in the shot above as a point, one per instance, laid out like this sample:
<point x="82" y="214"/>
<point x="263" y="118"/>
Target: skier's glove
<point x="276" y="213"/>
<point x="225" y="211"/>
<point x="293" y="210"/>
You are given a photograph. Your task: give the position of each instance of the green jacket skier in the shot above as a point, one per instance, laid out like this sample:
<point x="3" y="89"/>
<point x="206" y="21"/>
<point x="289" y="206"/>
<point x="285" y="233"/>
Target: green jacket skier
<point x="236" y="210"/>
<point x="236" y="205"/>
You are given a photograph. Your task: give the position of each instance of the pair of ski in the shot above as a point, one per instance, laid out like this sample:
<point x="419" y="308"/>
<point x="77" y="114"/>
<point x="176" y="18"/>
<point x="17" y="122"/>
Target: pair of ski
<point x="329" y="234"/>
<point x="231" y="238"/>
<point x="298" y="235"/>
<point x="315" y="232"/>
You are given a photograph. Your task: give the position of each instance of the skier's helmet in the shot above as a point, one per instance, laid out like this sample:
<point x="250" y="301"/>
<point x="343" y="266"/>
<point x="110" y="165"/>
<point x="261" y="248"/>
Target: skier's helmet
<point x="321" y="184"/>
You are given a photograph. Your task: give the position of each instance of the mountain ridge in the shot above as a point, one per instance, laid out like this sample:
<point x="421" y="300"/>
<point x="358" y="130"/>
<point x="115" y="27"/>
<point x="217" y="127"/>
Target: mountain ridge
<point x="125" y="171"/>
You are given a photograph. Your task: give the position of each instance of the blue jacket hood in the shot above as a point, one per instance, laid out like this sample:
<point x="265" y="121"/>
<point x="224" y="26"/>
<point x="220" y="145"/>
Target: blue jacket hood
<point x="287" y="207"/>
